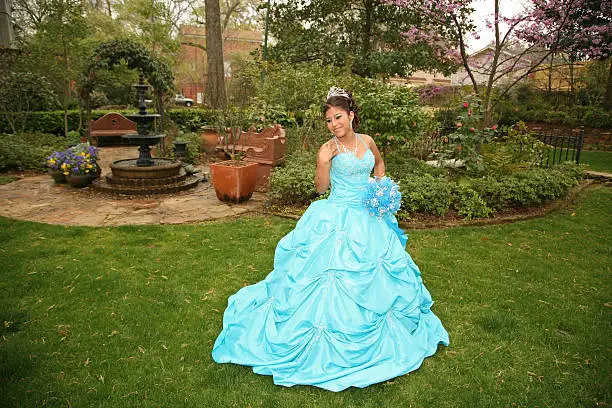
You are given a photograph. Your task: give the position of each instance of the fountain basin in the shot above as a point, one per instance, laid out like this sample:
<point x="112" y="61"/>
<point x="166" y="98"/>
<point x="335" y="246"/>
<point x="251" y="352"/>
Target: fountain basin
<point x="160" y="168"/>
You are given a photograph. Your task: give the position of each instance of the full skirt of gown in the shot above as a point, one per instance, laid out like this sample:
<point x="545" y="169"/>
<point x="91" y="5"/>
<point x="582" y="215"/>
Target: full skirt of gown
<point x="344" y="306"/>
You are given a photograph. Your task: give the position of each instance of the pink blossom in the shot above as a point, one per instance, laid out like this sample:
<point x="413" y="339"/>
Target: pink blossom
<point x="465" y="104"/>
<point x="459" y="124"/>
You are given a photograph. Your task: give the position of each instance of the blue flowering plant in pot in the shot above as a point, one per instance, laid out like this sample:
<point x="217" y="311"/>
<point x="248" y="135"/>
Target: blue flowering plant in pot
<point x="81" y="165"/>
<point x="54" y="164"/>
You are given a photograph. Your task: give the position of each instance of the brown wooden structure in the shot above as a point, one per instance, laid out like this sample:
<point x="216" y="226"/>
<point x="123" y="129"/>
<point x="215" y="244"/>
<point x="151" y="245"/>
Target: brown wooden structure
<point x="110" y="125"/>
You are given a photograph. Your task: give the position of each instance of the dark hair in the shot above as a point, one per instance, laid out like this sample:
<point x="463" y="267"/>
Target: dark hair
<point x="347" y="104"/>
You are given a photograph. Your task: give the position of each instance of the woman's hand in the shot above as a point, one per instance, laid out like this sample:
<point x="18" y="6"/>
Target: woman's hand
<point x="327" y="152"/>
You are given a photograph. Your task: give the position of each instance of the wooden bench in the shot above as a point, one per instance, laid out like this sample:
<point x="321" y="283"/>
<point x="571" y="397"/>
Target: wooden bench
<point x="266" y="148"/>
<point x="110" y="125"/>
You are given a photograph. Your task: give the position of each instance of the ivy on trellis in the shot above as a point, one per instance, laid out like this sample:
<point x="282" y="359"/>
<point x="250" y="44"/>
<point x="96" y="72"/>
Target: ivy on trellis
<point x="110" y="53"/>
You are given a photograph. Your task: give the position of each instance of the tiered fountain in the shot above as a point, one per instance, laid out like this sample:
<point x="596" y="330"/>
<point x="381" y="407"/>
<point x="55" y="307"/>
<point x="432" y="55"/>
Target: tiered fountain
<point x="145" y="175"/>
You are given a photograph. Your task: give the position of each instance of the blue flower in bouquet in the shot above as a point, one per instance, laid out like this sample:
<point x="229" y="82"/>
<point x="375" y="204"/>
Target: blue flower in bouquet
<point x="382" y="197"/>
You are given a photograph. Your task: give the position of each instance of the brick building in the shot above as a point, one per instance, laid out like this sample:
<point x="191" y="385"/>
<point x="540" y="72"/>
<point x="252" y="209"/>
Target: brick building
<point x="190" y="75"/>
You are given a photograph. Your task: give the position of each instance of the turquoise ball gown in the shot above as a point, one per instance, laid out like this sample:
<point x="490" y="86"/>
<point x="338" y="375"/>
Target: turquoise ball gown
<point x="345" y="305"/>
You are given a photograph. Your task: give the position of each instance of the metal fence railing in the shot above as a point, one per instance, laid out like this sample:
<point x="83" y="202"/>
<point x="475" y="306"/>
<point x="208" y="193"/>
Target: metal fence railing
<point x="562" y="147"/>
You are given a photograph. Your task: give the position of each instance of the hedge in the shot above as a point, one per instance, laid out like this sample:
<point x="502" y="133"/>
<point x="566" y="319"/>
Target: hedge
<point x="52" y="122"/>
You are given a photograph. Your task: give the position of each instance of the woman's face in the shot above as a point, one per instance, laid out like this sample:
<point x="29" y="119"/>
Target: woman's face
<point x="338" y="121"/>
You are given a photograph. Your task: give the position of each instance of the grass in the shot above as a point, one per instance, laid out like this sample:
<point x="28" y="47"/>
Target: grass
<point x="597" y="160"/>
<point x="127" y="316"/>
<point x="7" y="179"/>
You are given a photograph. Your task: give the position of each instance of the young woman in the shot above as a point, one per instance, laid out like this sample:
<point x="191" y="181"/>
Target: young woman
<point x="345" y="305"/>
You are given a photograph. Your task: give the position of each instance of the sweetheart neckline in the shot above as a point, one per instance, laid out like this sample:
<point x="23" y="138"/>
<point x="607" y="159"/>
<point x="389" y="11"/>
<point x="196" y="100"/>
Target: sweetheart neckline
<point x="360" y="159"/>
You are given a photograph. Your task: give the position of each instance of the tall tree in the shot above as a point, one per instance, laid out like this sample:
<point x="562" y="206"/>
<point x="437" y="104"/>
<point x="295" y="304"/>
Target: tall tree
<point x="55" y="49"/>
<point x="215" y="78"/>
<point x="368" y="36"/>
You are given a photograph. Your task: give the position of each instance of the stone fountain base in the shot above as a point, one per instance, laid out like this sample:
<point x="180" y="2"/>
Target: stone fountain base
<point x="163" y="177"/>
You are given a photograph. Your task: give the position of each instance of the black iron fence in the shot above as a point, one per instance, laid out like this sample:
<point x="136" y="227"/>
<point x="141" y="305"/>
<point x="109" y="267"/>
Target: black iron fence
<point x="561" y="147"/>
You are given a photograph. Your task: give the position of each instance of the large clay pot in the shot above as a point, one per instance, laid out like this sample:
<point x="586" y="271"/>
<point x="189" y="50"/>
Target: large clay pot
<point x="234" y="181"/>
<point x="209" y="138"/>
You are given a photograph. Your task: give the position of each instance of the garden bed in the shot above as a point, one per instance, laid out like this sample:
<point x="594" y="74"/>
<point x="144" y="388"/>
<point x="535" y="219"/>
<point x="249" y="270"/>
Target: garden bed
<point x="452" y="218"/>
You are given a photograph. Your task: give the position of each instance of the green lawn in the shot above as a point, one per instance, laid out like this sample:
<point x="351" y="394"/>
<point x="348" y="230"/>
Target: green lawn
<point x="4" y="179"/>
<point x="597" y="160"/>
<point x="117" y="317"/>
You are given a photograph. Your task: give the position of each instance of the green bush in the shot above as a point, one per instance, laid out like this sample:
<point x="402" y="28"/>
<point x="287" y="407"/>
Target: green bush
<point x="528" y="188"/>
<point x="425" y="194"/>
<point x="293" y="183"/>
<point x="194" y="147"/>
<point x="52" y="122"/>
<point x="28" y="151"/>
<point x="469" y="204"/>
<point x="192" y="119"/>
<point x="399" y="164"/>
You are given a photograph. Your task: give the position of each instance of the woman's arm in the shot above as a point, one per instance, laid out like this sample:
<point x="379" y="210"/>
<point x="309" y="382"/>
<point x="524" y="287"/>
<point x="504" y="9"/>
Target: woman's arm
<point x="326" y="154"/>
<point x="379" y="164"/>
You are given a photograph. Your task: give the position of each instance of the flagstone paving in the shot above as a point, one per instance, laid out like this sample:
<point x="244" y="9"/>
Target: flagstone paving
<point x="38" y="198"/>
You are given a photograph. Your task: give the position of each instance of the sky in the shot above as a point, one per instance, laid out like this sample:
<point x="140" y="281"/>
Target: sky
<point x="484" y="9"/>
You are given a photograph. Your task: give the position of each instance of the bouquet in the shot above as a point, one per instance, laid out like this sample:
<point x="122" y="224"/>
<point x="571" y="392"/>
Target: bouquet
<point x="382" y="197"/>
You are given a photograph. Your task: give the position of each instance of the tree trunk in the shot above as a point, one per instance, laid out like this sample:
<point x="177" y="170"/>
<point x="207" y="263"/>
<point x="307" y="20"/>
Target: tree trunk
<point x="608" y="98"/>
<point x="571" y="82"/>
<point x="215" y="80"/>
<point x="486" y="100"/>
<point x="362" y="66"/>
<point x="550" y="73"/>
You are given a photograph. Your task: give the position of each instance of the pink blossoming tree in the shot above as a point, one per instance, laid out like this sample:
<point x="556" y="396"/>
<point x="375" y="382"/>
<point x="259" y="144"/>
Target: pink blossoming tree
<point x="522" y="42"/>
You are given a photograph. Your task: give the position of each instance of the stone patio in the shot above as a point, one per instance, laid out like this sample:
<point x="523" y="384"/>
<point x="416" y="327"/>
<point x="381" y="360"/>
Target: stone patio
<point x="38" y="198"/>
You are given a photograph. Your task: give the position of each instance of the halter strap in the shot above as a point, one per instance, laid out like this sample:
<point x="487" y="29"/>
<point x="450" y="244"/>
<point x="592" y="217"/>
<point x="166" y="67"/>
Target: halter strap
<point x="362" y="142"/>
<point x="336" y="142"/>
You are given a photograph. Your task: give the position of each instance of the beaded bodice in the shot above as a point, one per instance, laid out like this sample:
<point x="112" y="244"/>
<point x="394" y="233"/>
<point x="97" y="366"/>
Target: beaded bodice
<point x="349" y="176"/>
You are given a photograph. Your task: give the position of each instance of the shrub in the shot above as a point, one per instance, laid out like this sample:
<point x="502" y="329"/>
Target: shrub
<point x="518" y="149"/>
<point x="528" y="188"/>
<point x="191" y="120"/>
<point x="469" y="204"/>
<point x="194" y="147"/>
<point x="293" y="183"/>
<point x="399" y="165"/>
<point x="425" y="194"/>
<point x="28" y="151"/>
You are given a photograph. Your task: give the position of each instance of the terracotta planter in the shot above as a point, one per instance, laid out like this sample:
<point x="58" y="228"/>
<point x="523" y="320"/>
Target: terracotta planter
<point x="79" y="180"/>
<point x="210" y="139"/>
<point x="58" y="176"/>
<point x="234" y="181"/>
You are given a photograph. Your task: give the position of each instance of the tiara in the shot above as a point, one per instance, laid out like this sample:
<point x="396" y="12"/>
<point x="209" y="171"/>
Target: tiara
<point x="335" y="91"/>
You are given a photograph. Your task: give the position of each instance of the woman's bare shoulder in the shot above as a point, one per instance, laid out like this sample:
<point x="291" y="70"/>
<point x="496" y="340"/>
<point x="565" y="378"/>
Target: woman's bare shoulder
<point x="367" y="139"/>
